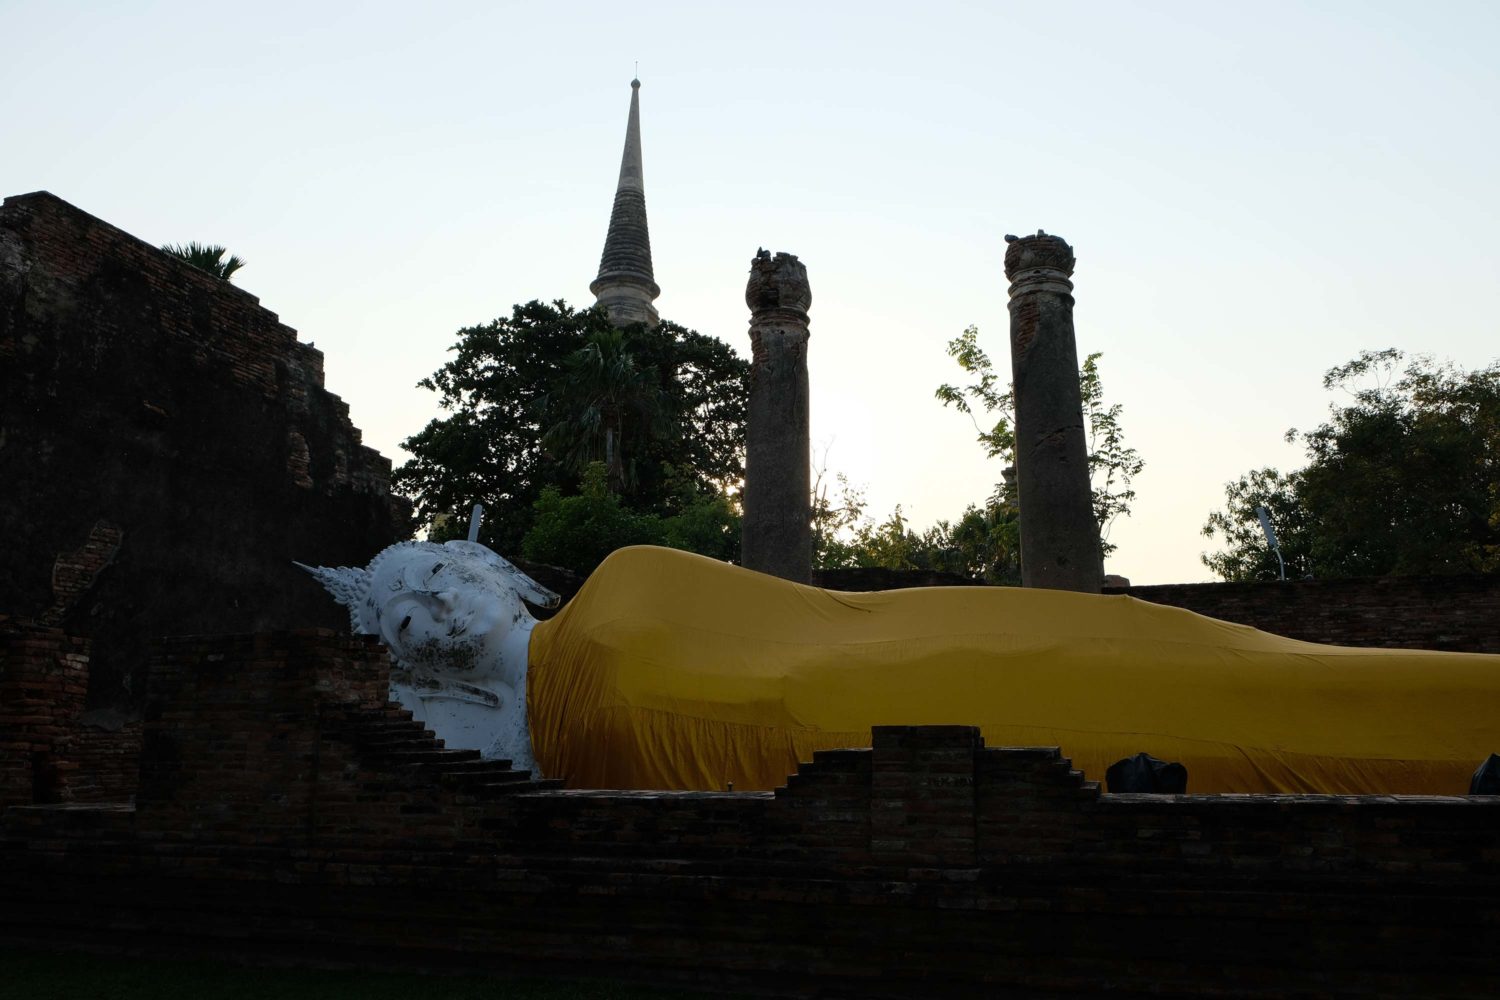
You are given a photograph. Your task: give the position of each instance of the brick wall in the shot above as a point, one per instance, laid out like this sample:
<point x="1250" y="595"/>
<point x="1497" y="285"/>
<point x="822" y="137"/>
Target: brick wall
<point x="232" y="743"/>
<point x="167" y="447"/>
<point x="287" y="810"/>
<point x="1459" y="613"/>
<point x="104" y="759"/>
<point x="51" y="750"/>
<point x="43" y="680"/>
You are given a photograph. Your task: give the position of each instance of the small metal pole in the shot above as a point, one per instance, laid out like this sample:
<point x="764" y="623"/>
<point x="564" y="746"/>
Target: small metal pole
<point x="1270" y="533"/>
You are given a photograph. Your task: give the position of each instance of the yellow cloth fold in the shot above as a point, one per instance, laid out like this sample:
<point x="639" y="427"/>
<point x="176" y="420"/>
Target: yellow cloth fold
<point x="669" y="670"/>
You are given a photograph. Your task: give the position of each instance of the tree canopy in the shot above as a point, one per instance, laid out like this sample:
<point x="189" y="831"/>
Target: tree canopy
<point x="1402" y="479"/>
<point x="206" y="257"/>
<point x="533" y="400"/>
<point x="579" y="531"/>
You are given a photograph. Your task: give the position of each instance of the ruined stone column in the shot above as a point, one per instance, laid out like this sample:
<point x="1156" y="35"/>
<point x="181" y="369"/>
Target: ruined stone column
<point x="1059" y="536"/>
<point x="777" y="535"/>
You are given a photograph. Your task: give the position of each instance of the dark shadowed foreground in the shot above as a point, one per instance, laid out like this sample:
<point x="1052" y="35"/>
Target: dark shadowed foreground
<point x="38" y="975"/>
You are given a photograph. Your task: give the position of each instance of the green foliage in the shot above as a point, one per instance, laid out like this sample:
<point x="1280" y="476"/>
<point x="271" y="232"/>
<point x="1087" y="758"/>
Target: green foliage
<point x="1404" y="479"/>
<point x="984" y="544"/>
<point x="531" y="400"/>
<point x="835" y="522"/>
<point x="1113" y="465"/>
<point x="206" y="257"/>
<point x="577" y="532"/>
<point x="999" y="441"/>
<point x="1247" y="557"/>
<point x="604" y="404"/>
<point x="706" y="523"/>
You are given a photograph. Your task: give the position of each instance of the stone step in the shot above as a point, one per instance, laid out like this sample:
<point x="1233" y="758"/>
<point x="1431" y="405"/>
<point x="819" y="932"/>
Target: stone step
<point x="383" y="726"/>
<point x="367" y="743"/>
<point x="390" y="740"/>
<point x="475" y="767"/>
<point x="403" y="751"/>
<point x="851" y="757"/>
<point x="481" y="782"/>
<point x="390" y="713"/>
<point x="426" y="756"/>
<point x="512" y="787"/>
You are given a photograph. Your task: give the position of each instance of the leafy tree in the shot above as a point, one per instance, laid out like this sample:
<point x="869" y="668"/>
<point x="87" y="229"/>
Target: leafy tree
<point x="706" y="523"/>
<point x="1247" y="556"/>
<point x="983" y="544"/>
<point x="1113" y="465"/>
<point x="602" y="393"/>
<point x="206" y="257"/>
<point x="834" y="521"/>
<point x="577" y="532"/>
<point x="1404" y="479"/>
<point x="531" y="399"/>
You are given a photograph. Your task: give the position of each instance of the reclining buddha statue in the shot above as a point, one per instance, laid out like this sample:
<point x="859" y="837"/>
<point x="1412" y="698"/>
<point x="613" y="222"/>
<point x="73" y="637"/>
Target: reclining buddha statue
<point x="673" y="671"/>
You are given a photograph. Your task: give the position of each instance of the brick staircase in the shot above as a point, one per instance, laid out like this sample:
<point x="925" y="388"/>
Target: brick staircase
<point x="832" y="772"/>
<point x="388" y="739"/>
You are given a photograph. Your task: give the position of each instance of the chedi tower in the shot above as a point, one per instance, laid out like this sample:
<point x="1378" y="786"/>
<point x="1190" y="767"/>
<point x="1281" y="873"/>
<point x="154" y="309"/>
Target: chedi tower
<point x="626" y="287"/>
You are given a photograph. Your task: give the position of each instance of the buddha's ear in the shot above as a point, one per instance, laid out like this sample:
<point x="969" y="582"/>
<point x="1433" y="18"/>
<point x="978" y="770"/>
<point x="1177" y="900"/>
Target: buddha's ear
<point x="529" y="588"/>
<point x="525" y="586"/>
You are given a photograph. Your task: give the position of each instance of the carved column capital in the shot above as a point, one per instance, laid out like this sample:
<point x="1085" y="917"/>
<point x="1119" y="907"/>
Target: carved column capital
<point x="778" y="285"/>
<point x="1039" y="263"/>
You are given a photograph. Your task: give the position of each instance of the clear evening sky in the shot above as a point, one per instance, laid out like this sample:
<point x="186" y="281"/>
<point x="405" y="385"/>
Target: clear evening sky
<point x="1255" y="193"/>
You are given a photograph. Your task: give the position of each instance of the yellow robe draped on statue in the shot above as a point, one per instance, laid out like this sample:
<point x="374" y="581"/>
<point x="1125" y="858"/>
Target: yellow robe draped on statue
<point x="669" y="670"/>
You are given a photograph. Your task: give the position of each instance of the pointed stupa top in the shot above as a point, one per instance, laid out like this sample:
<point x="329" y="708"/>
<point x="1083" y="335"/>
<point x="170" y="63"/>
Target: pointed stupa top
<point x="626" y="285"/>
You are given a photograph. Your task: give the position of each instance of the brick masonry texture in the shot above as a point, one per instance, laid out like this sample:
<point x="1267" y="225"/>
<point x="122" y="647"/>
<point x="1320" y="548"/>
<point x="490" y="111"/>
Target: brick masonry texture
<point x="167" y="447"/>
<point x="287" y="811"/>
<point x="43" y="680"/>
<point x="1458" y="613"/>
<point x="104" y="761"/>
<point x="51" y="750"/>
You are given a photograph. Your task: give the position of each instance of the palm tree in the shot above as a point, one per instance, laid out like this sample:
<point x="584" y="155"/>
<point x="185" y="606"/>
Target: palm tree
<point x="206" y="257"/>
<point x="602" y="400"/>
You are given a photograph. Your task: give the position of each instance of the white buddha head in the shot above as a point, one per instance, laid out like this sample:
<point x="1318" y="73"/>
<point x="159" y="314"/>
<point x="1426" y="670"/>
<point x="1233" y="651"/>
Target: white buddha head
<point x="453" y="609"/>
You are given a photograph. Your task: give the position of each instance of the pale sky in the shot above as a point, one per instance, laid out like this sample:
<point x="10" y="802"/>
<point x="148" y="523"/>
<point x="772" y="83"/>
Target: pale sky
<point x="1255" y="193"/>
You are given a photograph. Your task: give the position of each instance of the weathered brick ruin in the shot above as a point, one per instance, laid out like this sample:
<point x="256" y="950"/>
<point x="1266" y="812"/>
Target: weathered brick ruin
<point x="167" y="448"/>
<point x="287" y="810"/>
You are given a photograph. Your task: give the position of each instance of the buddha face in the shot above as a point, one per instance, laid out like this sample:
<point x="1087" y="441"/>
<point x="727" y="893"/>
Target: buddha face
<point x="448" y="609"/>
